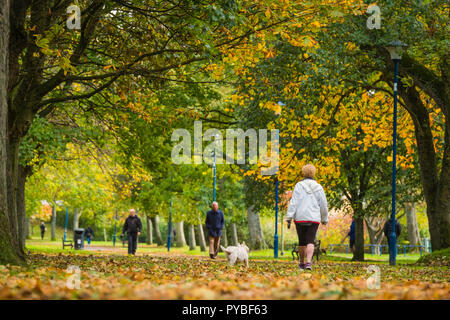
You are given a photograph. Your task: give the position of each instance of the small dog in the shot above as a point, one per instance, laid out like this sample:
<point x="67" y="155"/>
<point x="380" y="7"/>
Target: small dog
<point x="237" y="253"/>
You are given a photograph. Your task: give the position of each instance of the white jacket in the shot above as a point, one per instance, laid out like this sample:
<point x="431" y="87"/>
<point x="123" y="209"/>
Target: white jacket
<point x="308" y="203"/>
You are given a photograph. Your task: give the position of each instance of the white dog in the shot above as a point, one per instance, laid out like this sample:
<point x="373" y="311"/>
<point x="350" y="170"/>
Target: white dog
<point x="239" y="253"/>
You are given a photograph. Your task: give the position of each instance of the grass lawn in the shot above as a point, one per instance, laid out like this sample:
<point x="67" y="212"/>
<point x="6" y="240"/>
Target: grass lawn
<point x="36" y="245"/>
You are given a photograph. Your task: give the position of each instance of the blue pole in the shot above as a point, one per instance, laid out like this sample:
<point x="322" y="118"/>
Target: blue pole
<point x="65" y="226"/>
<point x="275" y="238"/>
<point x="392" y="236"/>
<point x="169" y="236"/>
<point x="214" y="176"/>
<point x="115" y="229"/>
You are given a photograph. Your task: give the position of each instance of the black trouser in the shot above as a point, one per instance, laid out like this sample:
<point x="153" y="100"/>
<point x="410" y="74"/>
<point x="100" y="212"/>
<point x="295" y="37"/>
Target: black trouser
<point x="132" y="242"/>
<point x="42" y="235"/>
<point x="306" y="233"/>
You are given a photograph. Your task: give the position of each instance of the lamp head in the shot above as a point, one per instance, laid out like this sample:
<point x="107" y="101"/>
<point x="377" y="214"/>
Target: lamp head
<point x="395" y="49"/>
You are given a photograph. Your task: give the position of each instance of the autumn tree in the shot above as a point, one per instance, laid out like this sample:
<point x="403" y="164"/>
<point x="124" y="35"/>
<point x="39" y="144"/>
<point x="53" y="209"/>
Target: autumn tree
<point x="50" y="65"/>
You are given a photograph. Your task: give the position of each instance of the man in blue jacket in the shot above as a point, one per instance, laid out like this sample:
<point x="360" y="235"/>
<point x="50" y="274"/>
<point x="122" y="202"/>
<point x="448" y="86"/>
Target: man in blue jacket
<point x="215" y="221"/>
<point x="351" y="234"/>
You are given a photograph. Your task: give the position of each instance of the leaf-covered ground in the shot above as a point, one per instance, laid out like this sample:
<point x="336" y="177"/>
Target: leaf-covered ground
<point x="164" y="276"/>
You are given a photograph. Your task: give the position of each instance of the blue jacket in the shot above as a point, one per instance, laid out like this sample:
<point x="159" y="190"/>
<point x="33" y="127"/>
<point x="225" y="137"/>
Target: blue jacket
<point x="352" y="231"/>
<point x="215" y="222"/>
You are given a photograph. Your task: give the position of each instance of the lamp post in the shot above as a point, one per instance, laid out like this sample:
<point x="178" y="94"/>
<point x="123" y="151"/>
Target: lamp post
<point x="169" y="236"/>
<point x="115" y="229"/>
<point x="216" y="136"/>
<point x="214" y="175"/>
<point x="65" y="224"/>
<point x="275" y="237"/>
<point x="394" y="49"/>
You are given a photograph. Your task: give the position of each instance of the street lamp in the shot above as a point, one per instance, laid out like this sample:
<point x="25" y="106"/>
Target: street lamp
<point x="275" y="237"/>
<point x="169" y="235"/>
<point x="395" y="49"/>
<point x="216" y="136"/>
<point x="65" y="224"/>
<point x="115" y="229"/>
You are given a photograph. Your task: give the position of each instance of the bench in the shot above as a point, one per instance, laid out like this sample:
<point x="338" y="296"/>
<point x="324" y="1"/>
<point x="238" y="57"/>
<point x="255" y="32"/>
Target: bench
<point x="317" y="250"/>
<point x="67" y="243"/>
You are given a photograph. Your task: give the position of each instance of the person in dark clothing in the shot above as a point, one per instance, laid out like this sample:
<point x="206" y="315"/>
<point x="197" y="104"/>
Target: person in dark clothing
<point x="89" y="233"/>
<point x="43" y="228"/>
<point x="132" y="227"/>
<point x="387" y="229"/>
<point x="215" y="221"/>
<point x="351" y="234"/>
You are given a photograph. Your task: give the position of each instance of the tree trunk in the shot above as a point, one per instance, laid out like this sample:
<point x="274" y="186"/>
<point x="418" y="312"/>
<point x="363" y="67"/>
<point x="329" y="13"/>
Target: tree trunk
<point x="205" y="234"/>
<point x="157" y="232"/>
<point x="27" y="228"/>
<point x="180" y="239"/>
<point x="411" y="221"/>
<point x="201" y="238"/>
<point x="234" y="235"/>
<point x="358" y="254"/>
<point x="76" y="218"/>
<point x="225" y="237"/>
<point x="104" y="235"/>
<point x="149" y="230"/>
<point x="375" y="230"/>
<point x="8" y="252"/>
<point x="192" y="244"/>
<point x="24" y="172"/>
<point x="255" y="229"/>
<point x="53" y="224"/>
<point x="436" y="187"/>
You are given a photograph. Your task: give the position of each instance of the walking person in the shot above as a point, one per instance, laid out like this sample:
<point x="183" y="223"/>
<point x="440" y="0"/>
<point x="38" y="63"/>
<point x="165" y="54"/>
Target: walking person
<point x="215" y="221"/>
<point x="43" y="229"/>
<point x="351" y="234"/>
<point x="308" y="208"/>
<point x="133" y="228"/>
<point x="89" y="233"/>
<point x="388" y="228"/>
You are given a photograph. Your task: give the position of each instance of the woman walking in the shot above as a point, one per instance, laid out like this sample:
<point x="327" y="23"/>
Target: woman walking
<point x="308" y="208"/>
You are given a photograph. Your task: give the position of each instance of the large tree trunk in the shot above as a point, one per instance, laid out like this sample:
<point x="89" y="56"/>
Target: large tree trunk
<point x="157" y="232"/>
<point x="375" y="230"/>
<point x="9" y="252"/>
<point x="234" y="235"/>
<point x="24" y="172"/>
<point x="180" y="239"/>
<point x="53" y="223"/>
<point x="358" y="254"/>
<point x="149" y="230"/>
<point x="411" y="222"/>
<point x="255" y="229"/>
<point x="436" y="187"/>
<point x="192" y="244"/>
<point x="201" y="238"/>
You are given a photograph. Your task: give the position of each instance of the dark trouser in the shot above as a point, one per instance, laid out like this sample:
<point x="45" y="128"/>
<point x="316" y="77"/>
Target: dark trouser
<point x="132" y="243"/>
<point x="42" y="235"/>
<point x="306" y="233"/>
<point x="88" y="238"/>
